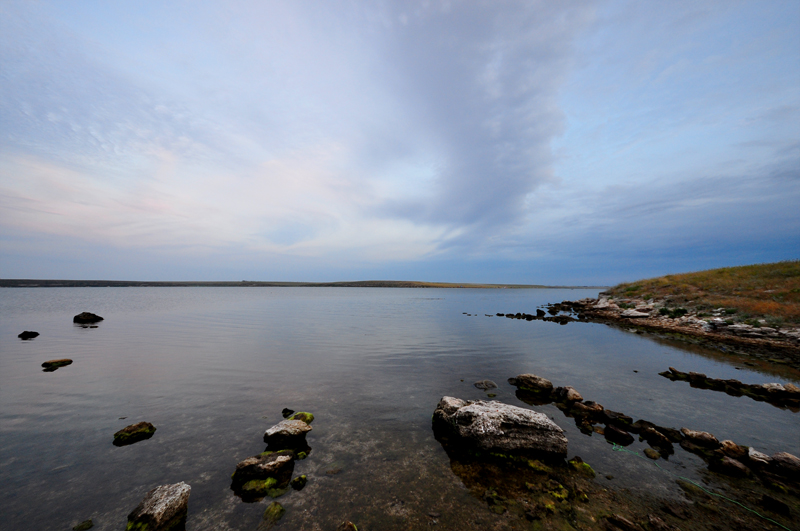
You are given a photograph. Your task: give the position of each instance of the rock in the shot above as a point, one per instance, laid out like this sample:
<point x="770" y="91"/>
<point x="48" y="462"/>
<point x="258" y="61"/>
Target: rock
<point x="485" y="384"/>
<point x="791" y="388"/>
<point x="496" y="427"/>
<point x="306" y="417"/>
<point x="773" y="387"/>
<point x="540" y="314"/>
<point x="299" y="482"/>
<point x="622" y="523"/>
<point x="531" y="382"/>
<point x="776" y="506"/>
<point x="272" y="514"/>
<point x="86" y="318"/>
<point x="287" y="412"/>
<point x="733" y="450"/>
<point x="701" y="438"/>
<point x="652" y="454"/>
<point x="618" y="419"/>
<point x="786" y="465"/>
<point x="163" y="509"/>
<point x="278" y="465"/>
<point x="52" y="365"/>
<point x="729" y="467"/>
<point x="83" y="526"/>
<point x="617" y="435"/>
<point x="287" y="434"/>
<point x="134" y="433"/>
<point x="581" y="467"/>
<point x="758" y="458"/>
<point x="28" y="335"/>
<point x="633" y="314"/>
<point x="568" y="394"/>
<point x="347" y="526"/>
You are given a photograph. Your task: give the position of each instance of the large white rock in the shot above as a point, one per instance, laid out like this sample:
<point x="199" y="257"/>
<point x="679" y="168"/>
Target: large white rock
<point x="496" y="427"/>
<point x="163" y="508"/>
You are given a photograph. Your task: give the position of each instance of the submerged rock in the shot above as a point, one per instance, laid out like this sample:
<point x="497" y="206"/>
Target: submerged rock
<point x="617" y="435"/>
<point x="84" y="526"/>
<point x="299" y="482"/>
<point x="499" y="428"/>
<point x="163" y="509"/>
<point x="28" y="335"/>
<point x="134" y="433"/>
<point x="52" y="365"/>
<point x="287" y="412"/>
<point x="287" y="434"/>
<point x="729" y="467"/>
<point x="485" y="384"/>
<point x="86" y="318"/>
<point x="272" y="514"/>
<point x="786" y="465"/>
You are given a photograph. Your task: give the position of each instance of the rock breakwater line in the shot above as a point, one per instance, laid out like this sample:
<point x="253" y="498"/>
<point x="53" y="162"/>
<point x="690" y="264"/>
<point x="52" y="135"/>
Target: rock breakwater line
<point x="725" y="457"/>
<point x="779" y="395"/>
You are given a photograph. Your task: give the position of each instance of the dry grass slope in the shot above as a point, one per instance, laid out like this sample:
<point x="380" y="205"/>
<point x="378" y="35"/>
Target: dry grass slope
<point x="762" y="291"/>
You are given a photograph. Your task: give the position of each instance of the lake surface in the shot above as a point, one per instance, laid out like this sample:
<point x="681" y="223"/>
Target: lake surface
<point x="212" y="368"/>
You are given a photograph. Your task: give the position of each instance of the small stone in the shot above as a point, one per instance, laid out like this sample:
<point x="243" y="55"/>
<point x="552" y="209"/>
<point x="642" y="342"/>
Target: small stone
<point x="299" y="482"/>
<point x="86" y="317"/>
<point x="163" y="509"/>
<point x="581" y="467"/>
<point x="134" y="433"/>
<point x="287" y="434"/>
<point x="485" y="384"/>
<point x="652" y="454"/>
<point x="83" y="526"/>
<point x="568" y="394"/>
<point x="267" y="465"/>
<point x="287" y="412"/>
<point x="617" y="435"/>
<point x="731" y="449"/>
<point x="28" y="335"/>
<point x="347" y="526"/>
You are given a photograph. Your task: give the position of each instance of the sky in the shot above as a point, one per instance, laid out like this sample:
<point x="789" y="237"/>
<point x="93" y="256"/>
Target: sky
<point x="535" y="142"/>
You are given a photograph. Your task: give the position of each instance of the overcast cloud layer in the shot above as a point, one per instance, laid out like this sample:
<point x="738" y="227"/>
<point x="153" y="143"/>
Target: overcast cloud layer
<point x="529" y="142"/>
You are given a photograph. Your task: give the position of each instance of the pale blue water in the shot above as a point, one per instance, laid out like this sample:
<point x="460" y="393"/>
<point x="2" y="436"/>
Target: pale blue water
<point x="212" y="368"/>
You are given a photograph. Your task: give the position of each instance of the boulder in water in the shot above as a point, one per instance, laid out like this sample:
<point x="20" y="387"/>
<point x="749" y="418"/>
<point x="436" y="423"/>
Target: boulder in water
<point x="86" y="318"/>
<point x="28" y="335"/>
<point x="134" y="433"/>
<point x="495" y="427"/>
<point x="163" y="509"/>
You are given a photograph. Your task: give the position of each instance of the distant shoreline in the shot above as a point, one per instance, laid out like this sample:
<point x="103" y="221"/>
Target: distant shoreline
<point x="39" y="283"/>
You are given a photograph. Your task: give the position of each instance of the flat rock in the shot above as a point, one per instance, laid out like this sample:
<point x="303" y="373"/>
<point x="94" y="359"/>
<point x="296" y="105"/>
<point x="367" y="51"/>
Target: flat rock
<point x="27" y="335"/>
<point x="163" y="509"/>
<point x="496" y="427"/>
<point x="617" y="435"/>
<point x="134" y="433"/>
<point x="272" y="465"/>
<point x="287" y="434"/>
<point x="531" y="382"/>
<point x="634" y="314"/>
<point x="86" y="317"/>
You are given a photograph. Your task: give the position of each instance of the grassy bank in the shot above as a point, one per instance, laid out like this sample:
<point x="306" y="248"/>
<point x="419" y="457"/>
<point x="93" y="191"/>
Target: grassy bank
<point x="755" y="294"/>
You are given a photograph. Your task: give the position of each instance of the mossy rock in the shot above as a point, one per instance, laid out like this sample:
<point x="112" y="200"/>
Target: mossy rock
<point x="83" y="526"/>
<point x="134" y="433"/>
<point x="306" y="417"/>
<point x="258" y="487"/>
<point x="539" y="467"/>
<point x="299" y="482"/>
<point x="272" y="515"/>
<point x="582" y="468"/>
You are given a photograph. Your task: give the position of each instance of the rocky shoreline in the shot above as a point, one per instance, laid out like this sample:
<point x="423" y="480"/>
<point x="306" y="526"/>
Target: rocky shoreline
<point x="717" y="328"/>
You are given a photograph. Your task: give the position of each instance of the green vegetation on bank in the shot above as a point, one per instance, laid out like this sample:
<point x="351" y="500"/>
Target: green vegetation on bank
<point x="34" y="283"/>
<point x="755" y="294"/>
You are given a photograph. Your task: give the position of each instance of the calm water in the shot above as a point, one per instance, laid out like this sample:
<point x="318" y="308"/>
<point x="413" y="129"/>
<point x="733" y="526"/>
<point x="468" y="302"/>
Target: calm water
<point x="212" y="368"/>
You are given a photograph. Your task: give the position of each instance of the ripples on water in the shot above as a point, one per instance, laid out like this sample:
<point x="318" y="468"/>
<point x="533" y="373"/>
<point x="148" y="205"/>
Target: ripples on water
<point x="213" y="367"/>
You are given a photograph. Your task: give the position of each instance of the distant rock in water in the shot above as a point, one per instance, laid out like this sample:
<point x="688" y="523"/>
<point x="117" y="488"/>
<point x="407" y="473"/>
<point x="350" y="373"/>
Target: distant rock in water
<point x="86" y="318"/>
<point x="134" y="433"/>
<point x="495" y="427"/>
<point x="27" y="335"/>
<point x="163" y="509"/>
<point x="52" y="365"/>
<point x="485" y="384"/>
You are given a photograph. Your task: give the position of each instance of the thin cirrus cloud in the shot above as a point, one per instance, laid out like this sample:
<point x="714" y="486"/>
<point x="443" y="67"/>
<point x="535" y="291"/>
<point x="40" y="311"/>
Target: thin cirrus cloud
<point x="270" y="140"/>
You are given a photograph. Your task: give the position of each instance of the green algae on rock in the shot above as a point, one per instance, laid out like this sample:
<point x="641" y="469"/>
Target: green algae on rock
<point x="305" y="416"/>
<point x="580" y="466"/>
<point x="134" y="433"/>
<point x="83" y="526"/>
<point x="273" y="513"/>
<point x="299" y="482"/>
